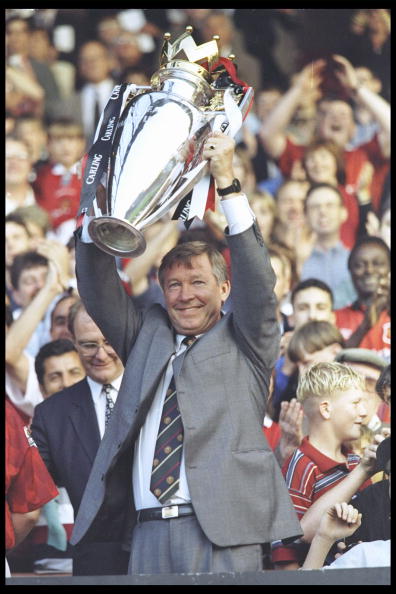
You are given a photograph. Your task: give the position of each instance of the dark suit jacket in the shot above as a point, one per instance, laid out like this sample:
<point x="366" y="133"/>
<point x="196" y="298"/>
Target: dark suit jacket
<point x="66" y="431"/>
<point x="236" y="486"/>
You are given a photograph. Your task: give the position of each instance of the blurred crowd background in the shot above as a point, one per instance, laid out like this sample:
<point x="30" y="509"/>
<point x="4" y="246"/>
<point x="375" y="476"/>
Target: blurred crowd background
<point x="312" y="156"/>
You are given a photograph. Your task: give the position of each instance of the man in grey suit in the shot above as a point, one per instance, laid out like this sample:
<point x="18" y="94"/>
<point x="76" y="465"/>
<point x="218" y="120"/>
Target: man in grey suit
<point x="226" y="498"/>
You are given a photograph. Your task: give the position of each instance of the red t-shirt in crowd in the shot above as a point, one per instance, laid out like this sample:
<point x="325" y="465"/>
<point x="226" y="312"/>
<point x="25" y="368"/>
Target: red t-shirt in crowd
<point x="309" y="474"/>
<point x="28" y="483"/>
<point x="377" y="338"/>
<point x="58" y="192"/>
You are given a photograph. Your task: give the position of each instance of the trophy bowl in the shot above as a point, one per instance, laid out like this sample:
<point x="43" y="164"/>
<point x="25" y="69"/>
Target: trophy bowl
<point x="156" y="148"/>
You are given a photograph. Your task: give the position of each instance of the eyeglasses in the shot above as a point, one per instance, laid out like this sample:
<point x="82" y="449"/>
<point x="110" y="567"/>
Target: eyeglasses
<point x="89" y="349"/>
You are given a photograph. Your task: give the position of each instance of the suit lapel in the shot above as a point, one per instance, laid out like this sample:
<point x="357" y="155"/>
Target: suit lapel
<point x="161" y="349"/>
<point x="83" y="418"/>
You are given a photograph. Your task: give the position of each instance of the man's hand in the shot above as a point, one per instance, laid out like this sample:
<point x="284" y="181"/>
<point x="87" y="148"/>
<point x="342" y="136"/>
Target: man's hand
<point x="340" y="521"/>
<point x="308" y="81"/>
<point x="346" y="73"/>
<point x="57" y="253"/>
<point x="219" y="150"/>
<point x="290" y="423"/>
<point x="369" y="457"/>
<point x="363" y="186"/>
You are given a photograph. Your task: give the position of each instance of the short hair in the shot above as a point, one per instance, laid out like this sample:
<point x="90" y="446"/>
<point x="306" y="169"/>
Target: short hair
<point x="313" y="187"/>
<point x="184" y="252"/>
<point x="17" y="17"/>
<point x="62" y="127"/>
<point x="25" y="261"/>
<point x="384" y="381"/>
<point x="263" y="196"/>
<point x="35" y="214"/>
<point x="310" y="283"/>
<point x="326" y="379"/>
<point x="27" y="117"/>
<point x="55" y="348"/>
<point x="17" y="218"/>
<point x="62" y="298"/>
<point x="370" y="240"/>
<point x="289" y="182"/>
<point x="73" y="311"/>
<point x="311" y="337"/>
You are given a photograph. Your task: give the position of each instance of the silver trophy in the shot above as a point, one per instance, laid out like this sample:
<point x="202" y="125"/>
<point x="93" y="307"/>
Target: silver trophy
<point x="155" y="159"/>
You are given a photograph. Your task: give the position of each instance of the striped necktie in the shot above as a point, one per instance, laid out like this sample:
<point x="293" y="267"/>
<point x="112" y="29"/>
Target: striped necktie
<point x="109" y="402"/>
<point x="165" y="473"/>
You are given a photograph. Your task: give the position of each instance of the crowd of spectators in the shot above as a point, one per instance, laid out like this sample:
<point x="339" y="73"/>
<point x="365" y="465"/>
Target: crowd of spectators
<point x="313" y="157"/>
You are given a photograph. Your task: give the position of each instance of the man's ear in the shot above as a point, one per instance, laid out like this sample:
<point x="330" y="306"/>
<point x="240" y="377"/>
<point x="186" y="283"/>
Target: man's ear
<point x="225" y="291"/>
<point x="325" y="409"/>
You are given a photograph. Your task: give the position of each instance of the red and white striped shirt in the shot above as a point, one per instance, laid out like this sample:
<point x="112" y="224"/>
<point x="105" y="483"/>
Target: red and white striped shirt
<point x="309" y="474"/>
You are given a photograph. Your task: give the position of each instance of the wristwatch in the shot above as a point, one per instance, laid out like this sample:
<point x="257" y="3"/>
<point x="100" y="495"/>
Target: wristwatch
<point x="234" y="187"/>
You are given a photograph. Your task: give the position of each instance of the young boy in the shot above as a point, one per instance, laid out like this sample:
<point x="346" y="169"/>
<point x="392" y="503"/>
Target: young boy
<point x="323" y="470"/>
<point x="57" y="186"/>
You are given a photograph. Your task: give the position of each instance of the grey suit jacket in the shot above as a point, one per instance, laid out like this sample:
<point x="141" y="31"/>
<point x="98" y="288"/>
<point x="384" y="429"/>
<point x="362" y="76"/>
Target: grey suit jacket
<point x="236" y="486"/>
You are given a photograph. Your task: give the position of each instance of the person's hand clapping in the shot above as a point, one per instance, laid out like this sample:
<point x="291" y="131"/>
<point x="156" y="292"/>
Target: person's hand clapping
<point x="58" y="254"/>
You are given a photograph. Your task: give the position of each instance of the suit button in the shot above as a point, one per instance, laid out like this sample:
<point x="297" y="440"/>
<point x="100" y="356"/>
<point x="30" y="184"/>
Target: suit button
<point x="102" y="477"/>
<point x="119" y="445"/>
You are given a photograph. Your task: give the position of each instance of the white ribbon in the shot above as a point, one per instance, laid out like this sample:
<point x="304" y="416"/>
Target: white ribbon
<point x="231" y="121"/>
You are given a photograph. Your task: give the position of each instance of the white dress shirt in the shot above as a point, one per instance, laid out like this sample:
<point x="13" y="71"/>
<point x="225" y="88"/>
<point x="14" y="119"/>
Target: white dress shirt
<point x="99" y="399"/>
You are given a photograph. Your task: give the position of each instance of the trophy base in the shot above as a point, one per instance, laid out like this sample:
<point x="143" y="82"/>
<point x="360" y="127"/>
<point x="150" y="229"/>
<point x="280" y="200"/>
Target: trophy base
<point x="116" y="237"/>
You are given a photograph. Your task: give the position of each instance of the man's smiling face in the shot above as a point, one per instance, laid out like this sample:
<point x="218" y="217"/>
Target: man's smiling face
<point x="193" y="296"/>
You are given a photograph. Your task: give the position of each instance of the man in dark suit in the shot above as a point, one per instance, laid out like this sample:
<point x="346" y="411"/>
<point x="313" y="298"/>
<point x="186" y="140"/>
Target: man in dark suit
<point x="86" y="105"/>
<point x="68" y="427"/>
<point x="225" y="499"/>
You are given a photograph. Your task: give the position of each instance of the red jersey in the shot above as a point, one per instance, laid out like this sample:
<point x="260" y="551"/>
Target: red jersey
<point x="377" y="338"/>
<point x="354" y="160"/>
<point x="309" y="474"/>
<point x="58" y="192"/>
<point x="28" y="483"/>
<point x="350" y="227"/>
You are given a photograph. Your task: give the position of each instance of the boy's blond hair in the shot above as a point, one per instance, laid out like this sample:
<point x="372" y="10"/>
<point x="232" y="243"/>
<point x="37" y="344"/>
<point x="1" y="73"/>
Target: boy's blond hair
<point x="323" y="380"/>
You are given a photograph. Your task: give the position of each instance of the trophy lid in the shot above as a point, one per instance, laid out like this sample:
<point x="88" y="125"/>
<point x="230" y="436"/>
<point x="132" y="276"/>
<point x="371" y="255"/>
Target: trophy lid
<point x="184" y="49"/>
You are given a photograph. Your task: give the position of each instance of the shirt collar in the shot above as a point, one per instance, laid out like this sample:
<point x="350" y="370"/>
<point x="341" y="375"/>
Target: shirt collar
<point x="179" y="339"/>
<point x="59" y="169"/>
<point x="96" y="388"/>
<point x="338" y="247"/>
<point x="324" y="463"/>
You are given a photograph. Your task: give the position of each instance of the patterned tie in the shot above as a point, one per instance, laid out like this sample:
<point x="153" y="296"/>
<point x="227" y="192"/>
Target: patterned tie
<point x="109" y="402"/>
<point x="165" y="473"/>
